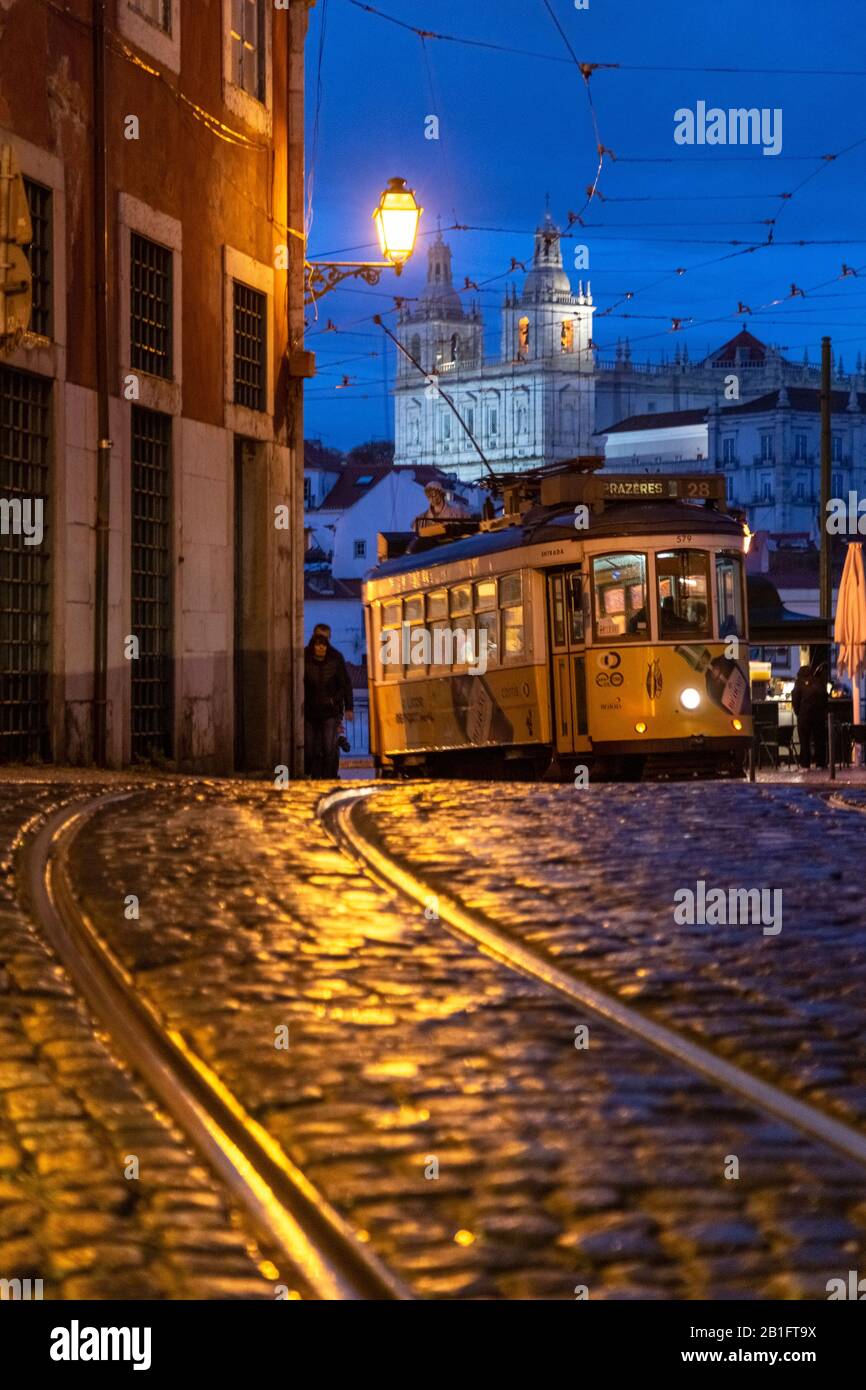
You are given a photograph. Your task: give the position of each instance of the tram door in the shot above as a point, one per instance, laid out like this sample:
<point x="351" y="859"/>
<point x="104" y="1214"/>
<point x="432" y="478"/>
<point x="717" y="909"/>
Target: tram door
<point x="568" y="660"/>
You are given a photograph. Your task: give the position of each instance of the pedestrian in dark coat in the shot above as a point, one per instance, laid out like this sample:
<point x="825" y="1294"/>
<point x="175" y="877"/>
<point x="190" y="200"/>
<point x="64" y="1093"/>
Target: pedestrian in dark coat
<point x="327" y="701"/>
<point x="810" y="702"/>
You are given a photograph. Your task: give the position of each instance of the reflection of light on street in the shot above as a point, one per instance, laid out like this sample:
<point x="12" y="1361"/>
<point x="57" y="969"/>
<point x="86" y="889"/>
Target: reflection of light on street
<point x="444" y="1008"/>
<point x="396" y="1067"/>
<point x="403" y="1118"/>
<point x="464" y="1238"/>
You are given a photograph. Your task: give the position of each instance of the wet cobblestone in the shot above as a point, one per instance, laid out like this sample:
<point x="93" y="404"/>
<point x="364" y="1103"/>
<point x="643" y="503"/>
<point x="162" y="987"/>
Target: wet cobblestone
<point x="597" y="893"/>
<point x="71" y="1116"/>
<point x="409" y="1051"/>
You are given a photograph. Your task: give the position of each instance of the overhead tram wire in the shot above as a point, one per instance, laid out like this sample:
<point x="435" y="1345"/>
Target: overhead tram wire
<point x="613" y="67"/>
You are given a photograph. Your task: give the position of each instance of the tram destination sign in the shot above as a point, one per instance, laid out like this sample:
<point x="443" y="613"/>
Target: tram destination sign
<point x="634" y="487"/>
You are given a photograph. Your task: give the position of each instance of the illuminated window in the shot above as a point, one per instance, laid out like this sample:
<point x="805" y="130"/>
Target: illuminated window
<point x="619" y="583"/>
<point x="683" y="590"/>
<point x="523" y="334"/>
<point x="566" y="337"/>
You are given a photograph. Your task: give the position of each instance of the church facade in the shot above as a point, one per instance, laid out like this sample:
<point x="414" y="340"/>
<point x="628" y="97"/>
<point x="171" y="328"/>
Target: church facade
<point x="551" y="394"/>
<point x="532" y="405"/>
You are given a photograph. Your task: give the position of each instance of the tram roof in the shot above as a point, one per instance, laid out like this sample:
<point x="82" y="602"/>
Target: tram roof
<point x="623" y="519"/>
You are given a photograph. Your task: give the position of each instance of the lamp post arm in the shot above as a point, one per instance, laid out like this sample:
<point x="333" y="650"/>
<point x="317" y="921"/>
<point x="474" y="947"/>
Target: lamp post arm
<point x="322" y="276"/>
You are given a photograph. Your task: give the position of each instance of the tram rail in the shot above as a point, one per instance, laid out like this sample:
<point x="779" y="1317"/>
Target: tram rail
<point x="339" y="813"/>
<point x="297" y="1226"/>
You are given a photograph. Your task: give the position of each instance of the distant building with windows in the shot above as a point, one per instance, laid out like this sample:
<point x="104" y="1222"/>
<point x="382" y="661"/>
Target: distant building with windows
<point x="768" y="449"/>
<point x="160" y="617"/>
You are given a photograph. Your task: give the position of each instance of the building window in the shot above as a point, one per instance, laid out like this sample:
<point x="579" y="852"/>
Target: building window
<point x="156" y="12"/>
<point x="25" y="613"/>
<point x="523" y="335"/>
<point x="651" y="405"/>
<point x="566" y="336"/>
<point x="800" y="494"/>
<point x="360" y="550"/>
<point x="837" y="484"/>
<point x="470" y="419"/>
<point x="151" y="583"/>
<point x="837" y="447"/>
<point x="766" y="446"/>
<point x="248" y="46"/>
<point x="150" y="325"/>
<point x="493" y="421"/>
<point x="250" y="328"/>
<point x="766" y="490"/>
<point x="308" y="492"/>
<point x="728" y="449"/>
<point x="40" y="257"/>
<point x="799" y="446"/>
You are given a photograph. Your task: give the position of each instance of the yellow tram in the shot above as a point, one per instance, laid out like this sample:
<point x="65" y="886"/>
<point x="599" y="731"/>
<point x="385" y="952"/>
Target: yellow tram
<point x="600" y="622"/>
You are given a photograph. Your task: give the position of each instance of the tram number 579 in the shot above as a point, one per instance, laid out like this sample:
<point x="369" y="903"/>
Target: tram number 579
<point x="684" y="539"/>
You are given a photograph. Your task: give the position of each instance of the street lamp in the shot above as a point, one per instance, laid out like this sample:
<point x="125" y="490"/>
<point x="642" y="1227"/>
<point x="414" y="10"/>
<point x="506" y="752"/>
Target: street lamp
<point x="396" y="217"/>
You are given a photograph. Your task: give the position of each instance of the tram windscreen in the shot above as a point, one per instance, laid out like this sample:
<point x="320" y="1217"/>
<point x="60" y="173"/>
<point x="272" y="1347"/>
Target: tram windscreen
<point x="683" y="579"/>
<point x="619" y="582"/>
<point x="729" y="590"/>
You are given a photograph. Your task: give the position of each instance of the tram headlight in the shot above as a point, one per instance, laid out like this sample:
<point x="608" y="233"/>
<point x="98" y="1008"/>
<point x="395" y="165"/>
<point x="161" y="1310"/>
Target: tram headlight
<point x="690" y="698"/>
<point x="738" y="725"/>
<point x="640" y="727"/>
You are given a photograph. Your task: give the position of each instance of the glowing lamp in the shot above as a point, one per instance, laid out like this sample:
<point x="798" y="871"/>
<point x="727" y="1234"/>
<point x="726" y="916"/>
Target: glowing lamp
<point x="397" y="218"/>
<point x="640" y="727"/>
<point x="690" y="698"/>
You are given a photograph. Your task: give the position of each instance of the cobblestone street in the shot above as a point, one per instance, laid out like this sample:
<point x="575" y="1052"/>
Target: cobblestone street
<point x="435" y="1096"/>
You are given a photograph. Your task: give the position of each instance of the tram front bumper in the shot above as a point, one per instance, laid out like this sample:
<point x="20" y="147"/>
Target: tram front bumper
<point x="693" y="744"/>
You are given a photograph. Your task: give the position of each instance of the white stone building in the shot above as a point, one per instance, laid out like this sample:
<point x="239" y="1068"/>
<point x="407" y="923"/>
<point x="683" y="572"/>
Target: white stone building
<point x="768" y="449"/>
<point x="532" y="405"/>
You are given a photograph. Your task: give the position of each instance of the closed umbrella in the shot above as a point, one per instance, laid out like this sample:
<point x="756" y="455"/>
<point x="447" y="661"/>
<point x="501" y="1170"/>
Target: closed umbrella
<point x="850" y="629"/>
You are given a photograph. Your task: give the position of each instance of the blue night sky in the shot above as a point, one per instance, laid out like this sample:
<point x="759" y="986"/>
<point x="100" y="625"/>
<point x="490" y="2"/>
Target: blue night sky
<point x="514" y="128"/>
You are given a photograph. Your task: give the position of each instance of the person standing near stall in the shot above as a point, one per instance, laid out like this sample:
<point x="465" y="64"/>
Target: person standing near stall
<point x="810" y="703"/>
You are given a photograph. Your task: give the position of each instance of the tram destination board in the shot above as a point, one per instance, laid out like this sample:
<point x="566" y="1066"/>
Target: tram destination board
<point x="634" y="487"/>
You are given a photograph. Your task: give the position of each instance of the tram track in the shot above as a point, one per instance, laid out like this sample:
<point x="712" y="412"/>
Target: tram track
<point x="339" y="813"/>
<point x="295" y="1223"/>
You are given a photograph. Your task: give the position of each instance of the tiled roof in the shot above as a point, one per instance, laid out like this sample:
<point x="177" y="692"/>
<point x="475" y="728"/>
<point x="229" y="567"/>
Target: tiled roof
<point x="751" y="347"/>
<point x="805" y="399"/>
<point x="657" y="420"/>
<point x="348" y="487"/>
<point x="324" y="588"/>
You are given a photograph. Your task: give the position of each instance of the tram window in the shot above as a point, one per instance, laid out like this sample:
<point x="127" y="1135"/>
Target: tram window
<point x="392" y="613"/>
<point x="463" y="647"/>
<point x="683" y="578"/>
<point x="510" y="590"/>
<point x="441" y="648"/>
<point x="488" y="623"/>
<point x="485" y="595"/>
<point x="512" y="632"/>
<point x="557" y="612"/>
<point x="413" y="609"/>
<point x="437" y="605"/>
<point x="729" y="588"/>
<point x="575" y="606"/>
<point x="619" y="582"/>
<point x="461" y="600"/>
